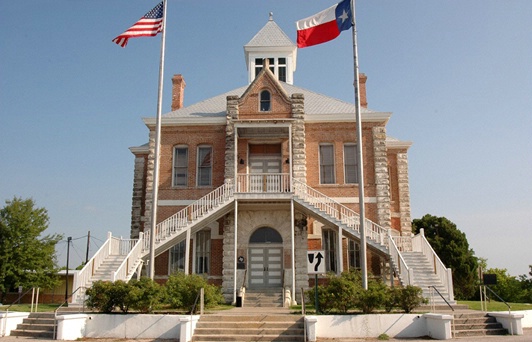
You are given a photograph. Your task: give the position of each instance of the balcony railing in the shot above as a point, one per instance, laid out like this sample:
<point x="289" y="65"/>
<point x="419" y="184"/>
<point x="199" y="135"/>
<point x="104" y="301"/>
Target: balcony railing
<point x="263" y="182"/>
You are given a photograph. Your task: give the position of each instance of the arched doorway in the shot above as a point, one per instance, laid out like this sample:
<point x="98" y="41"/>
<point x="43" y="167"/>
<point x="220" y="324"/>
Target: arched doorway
<point x="265" y="258"/>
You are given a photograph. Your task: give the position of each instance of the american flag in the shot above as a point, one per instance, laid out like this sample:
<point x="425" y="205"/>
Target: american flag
<point x="147" y="26"/>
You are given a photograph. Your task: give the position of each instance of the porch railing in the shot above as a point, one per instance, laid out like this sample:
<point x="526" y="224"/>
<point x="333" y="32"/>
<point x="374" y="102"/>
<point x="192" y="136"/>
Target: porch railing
<point x="263" y="182"/>
<point x="180" y="220"/>
<point x="338" y="211"/>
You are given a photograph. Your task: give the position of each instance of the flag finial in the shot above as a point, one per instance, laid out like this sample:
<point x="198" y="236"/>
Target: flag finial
<point x="271" y="16"/>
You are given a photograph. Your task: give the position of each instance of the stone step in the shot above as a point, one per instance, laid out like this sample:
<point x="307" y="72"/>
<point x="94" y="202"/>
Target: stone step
<point x="33" y="333"/>
<point x="250" y="327"/>
<point x="479" y="332"/>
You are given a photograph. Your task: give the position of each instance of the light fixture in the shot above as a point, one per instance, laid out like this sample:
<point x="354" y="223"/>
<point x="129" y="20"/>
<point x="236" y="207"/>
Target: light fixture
<point x="287" y="160"/>
<point x="241" y="161"/>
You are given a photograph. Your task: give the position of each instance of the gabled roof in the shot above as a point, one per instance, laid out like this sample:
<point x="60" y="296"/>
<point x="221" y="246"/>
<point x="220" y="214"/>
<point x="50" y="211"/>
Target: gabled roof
<point x="318" y="107"/>
<point x="270" y="35"/>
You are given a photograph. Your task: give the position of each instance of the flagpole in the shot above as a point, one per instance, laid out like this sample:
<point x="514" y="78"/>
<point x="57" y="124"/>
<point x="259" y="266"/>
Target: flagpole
<point x="155" y="190"/>
<point x="360" y="159"/>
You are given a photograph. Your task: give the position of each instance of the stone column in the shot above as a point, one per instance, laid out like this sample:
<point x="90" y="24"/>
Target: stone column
<point x="298" y="162"/>
<point x="232" y="114"/>
<point x="382" y="178"/>
<point x="404" y="193"/>
<point x="138" y="196"/>
<point x="228" y="257"/>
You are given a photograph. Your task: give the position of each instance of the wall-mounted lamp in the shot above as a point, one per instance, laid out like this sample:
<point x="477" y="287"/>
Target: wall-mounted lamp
<point x="241" y="161"/>
<point x="287" y="160"/>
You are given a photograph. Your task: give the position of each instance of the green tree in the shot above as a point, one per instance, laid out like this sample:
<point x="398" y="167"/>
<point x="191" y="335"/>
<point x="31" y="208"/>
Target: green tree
<point x="453" y="249"/>
<point x="26" y="257"/>
<point x="508" y="287"/>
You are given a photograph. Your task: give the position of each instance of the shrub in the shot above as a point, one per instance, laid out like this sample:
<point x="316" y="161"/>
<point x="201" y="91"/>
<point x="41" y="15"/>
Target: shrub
<point x="143" y="294"/>
<point x="99" y="296"/>
<point x="410" y="297"/>
<point x="182" y="290"/>
<point x="372" y="298"/>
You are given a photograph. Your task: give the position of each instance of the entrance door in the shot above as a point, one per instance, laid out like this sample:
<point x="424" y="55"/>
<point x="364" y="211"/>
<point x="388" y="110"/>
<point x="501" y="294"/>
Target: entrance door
<point x="264" y="167"/>
<point x="265" y="266"/>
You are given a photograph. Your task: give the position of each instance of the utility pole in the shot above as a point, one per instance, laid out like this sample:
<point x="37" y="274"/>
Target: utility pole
<point x="88" y="245"/>
<point x="66" y="278"/>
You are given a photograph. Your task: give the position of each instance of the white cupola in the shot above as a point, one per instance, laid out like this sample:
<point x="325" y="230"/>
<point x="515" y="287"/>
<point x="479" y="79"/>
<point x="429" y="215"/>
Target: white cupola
<point x="271" y="43"/>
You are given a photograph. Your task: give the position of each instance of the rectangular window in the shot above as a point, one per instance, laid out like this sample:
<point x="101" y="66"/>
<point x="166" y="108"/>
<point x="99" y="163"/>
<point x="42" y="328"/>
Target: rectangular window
<point x="353" y="249"/>
<point x="177" y="258"/>
<point x="180" y="166"/>
<point x="204" y="166"/>
<point x="203" y="251"/>
<point x="327" y="164"/>
<point x="281" y="67"/>
<point x="329" y="242"/>
<point x="350" y="164"/>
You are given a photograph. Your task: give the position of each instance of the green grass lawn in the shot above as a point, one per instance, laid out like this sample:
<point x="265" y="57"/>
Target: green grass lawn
<point x="27" y="307"/>
<point x="496" y="306"/>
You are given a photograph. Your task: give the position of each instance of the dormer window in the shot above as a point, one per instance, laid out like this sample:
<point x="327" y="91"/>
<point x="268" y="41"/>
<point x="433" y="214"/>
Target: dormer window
<point x="265" y="101"/>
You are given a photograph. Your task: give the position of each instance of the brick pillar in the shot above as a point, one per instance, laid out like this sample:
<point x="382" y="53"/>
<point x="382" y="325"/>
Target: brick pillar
<point x="382" y="178"/>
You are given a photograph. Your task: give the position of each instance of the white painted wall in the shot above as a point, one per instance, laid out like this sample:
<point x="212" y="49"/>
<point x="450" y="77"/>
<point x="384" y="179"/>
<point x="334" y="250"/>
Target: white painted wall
<point x="349" y="326"/>
<point x="133" y="326"/>
<point x="9" y="321"/>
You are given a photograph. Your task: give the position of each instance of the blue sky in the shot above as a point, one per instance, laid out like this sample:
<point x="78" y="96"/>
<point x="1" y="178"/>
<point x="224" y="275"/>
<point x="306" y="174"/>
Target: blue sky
<point x="457" y="76"/>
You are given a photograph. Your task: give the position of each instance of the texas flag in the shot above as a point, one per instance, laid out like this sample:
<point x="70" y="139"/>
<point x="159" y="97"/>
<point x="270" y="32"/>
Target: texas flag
<point x="325" y="25"/>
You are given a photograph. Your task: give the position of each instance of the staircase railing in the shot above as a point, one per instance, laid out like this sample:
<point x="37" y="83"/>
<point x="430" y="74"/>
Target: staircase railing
<point x="420" y="244"/>
<point x="338" y="211"/>
<point x="405" y="273"/>
<point x="83" y="277"/>
<point x="180" y="220"/>
<point x="132" y="259"/>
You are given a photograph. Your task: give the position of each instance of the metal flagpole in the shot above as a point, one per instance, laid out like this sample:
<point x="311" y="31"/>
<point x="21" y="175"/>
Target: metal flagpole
<point x="356" y="84"/>
<point x="155" y="190"/>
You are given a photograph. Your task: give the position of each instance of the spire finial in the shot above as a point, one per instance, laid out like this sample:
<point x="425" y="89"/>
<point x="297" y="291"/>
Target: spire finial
<point x="271" y="16"/>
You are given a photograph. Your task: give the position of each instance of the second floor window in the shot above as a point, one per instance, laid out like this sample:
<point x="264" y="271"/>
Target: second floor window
<point x="205" y="166"/>
<point x="350" y="164"/>
<point x="180" y="166"/>
<point x="327" y="164"/>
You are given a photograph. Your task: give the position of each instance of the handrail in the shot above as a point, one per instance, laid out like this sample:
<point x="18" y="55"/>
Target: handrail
<point x="432" y="287"/>
<point x="122" y="273"/>
<point x="496" y="295"/>
<point x="60" y="306"/>
<point x="401" y="266"/>
<point x="304" y="312"/>
<point x="421" y="244"/>
<point x="20" y="297"/>
<point x="180" y="220"/>
<point x="263" y="182"/>
<point x="338" y="211"/>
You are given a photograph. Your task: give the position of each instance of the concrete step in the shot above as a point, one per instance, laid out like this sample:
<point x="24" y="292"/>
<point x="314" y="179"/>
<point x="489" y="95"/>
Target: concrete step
<point x="476" y="324"/>
<point x="36" y="325"/>
<point x="250" y="327"/>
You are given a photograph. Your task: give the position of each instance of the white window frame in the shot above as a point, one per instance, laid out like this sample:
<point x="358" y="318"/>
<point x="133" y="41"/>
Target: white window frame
<point x="199" y="167"/>
<point x="177" y="258"/>
<point x="354" y="164"/>
<point x="329" y="243"/>
<point x="202" y="252"/>
<point x="175" y="167"/>
<point x="322" y="165"/>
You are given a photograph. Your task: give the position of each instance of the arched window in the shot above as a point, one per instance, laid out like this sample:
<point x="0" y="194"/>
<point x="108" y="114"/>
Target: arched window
<point x="266" y="235"/>
<point x="265" y="101"/>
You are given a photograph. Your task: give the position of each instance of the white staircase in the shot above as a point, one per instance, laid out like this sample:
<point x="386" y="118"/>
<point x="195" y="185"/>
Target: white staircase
<point x="341" y="216"/>
<point x="424" y="277"/>
<point x="412" y="258"/>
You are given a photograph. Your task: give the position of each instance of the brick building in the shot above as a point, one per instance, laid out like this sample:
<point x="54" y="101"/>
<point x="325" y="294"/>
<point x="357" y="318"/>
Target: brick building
<point x="252" y="179"/>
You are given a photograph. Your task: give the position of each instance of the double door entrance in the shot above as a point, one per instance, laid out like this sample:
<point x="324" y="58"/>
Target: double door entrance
<point x="265" y="266"/>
